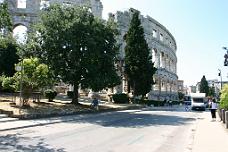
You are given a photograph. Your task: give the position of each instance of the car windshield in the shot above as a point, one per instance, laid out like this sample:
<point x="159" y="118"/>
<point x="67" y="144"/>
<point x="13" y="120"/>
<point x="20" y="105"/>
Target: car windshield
<point x="198" y="100"/>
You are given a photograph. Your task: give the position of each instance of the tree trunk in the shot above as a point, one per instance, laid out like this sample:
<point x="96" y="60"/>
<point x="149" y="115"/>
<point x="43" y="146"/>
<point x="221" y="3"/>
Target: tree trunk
<point x="75" y="94"/>
<point x="142" y="97"/>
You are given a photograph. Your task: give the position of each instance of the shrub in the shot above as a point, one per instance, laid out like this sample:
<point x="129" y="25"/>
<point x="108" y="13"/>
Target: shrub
<point x="120" y="98"/>
<point x="224" y="98"/>
<point x="8" y="84"/>
<point x="50" y="94"/>
<point x="70" y="94"/>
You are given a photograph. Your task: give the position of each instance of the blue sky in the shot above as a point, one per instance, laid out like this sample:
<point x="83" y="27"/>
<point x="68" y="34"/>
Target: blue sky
<point x="200" y="28"/>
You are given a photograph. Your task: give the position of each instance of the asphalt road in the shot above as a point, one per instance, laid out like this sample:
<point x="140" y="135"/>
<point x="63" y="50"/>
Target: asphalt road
<point x="129" y="130"/>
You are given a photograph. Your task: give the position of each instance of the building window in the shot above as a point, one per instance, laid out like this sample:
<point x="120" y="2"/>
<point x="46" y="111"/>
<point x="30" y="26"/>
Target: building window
<point x="161" y="37"/>
<point x="21" y="3"/>
<point x="154" y="33"/>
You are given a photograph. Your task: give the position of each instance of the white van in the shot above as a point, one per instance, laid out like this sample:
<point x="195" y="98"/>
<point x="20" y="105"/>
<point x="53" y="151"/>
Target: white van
<point x="197" y="101"/>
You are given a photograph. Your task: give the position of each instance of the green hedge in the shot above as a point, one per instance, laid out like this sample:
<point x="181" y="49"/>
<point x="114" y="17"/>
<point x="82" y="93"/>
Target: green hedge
<point x="120" y="98"/>
<point x="50" y="94"/>
<point x="224" y="98"/>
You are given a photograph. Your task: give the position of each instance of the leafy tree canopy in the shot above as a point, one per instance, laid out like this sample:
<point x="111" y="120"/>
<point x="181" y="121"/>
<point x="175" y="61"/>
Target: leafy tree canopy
<point x="139" y="66"/>
<point x="5" y="19"/>
<point x="8" y="55"/>
<point x="224" y="97"/>
<point x="34" y="75"/>
<point x="79" y="48"/>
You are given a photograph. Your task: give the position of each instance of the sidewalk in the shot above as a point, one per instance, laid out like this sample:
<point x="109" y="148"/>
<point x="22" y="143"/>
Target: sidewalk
<point x="210" y="136"/>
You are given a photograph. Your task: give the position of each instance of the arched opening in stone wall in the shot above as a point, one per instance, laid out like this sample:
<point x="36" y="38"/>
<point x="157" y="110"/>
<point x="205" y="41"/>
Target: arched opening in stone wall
<point x="20" y="33"/>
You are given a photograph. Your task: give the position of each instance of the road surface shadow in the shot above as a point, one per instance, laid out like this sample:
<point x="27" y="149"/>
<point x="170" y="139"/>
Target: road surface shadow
<point x="11" y="142"/>
<point x="132" y="119"/>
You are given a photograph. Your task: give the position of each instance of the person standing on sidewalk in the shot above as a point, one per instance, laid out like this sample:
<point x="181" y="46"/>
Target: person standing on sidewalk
<point x="213" y="109"/>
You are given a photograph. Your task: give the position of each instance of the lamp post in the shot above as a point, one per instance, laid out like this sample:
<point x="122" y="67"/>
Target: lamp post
<point x="220" y="74"/>
<point x="20" y="69"/>
<point x="226" y="56"/>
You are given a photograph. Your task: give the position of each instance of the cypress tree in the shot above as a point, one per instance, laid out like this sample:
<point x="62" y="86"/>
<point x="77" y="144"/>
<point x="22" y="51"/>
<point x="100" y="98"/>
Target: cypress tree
<point x="204" y="88"/>
<point x="139" y="67"/>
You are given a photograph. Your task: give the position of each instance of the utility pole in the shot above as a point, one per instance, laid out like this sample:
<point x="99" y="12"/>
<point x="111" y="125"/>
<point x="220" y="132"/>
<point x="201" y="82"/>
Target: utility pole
<point x="220" y="74"/>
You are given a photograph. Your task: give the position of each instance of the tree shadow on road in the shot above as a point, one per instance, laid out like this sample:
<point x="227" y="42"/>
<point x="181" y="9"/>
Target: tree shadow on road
<point x="11" y="142"/>
<point x="137" y="120"/>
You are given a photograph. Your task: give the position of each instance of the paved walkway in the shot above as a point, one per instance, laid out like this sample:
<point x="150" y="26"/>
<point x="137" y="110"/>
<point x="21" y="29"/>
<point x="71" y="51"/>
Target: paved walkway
<point x="210" y="136"/>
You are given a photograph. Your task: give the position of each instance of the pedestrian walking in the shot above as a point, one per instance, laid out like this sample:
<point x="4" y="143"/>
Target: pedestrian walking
<point x="213" y="106"/>
<point x="170" y="103"/>
<point x="95" y="103"/>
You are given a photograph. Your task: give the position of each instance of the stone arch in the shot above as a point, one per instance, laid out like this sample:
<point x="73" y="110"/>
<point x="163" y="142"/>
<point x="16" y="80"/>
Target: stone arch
<point x="20" y="32"/>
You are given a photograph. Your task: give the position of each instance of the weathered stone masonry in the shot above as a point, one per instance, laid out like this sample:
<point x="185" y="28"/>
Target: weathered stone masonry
<point x="163" y="50"/>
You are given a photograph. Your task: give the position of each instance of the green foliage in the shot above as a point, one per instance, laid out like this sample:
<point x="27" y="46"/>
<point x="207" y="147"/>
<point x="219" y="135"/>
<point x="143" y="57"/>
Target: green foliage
<point x="224" y="97"/>
<point x="204" y="88"/>
<point x="139" y="66"/>
<point x="211" y="91"/>
<point x="5" y="19"/>
<point x="79" y="48"/>
<point x="70" y="94"/>
<point x="120" y="98"/>
<point x="50" y="94"/>
<point x="8" y="46"/>
<point x="34" y="75"/>
<point x="8" y="84"/>
<point x="180" y="95"/>
<point x="8" y="56"/>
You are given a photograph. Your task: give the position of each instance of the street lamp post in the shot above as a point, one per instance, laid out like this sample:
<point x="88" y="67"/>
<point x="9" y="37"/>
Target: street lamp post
<point x="20" y="69"/>
<point x="220" y="74"/>
<point x="226" y="56"/>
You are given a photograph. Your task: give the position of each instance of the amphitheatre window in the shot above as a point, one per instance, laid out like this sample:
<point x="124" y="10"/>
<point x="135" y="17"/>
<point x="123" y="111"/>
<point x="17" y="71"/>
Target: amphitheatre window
<point x="154" y="33"/>
<point x="21" y="3"/>
<point x="67" y="4"/>
<point x="161" y="37"/>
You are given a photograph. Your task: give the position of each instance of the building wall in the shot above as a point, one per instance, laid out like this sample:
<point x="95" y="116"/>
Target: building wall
<point x="28" y="15"/>
<point x="163" y="50"/>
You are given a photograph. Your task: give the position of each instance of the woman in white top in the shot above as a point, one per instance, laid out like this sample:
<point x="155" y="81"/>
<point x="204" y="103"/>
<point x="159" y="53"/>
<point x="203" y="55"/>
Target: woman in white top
<point x="213" y="109"/>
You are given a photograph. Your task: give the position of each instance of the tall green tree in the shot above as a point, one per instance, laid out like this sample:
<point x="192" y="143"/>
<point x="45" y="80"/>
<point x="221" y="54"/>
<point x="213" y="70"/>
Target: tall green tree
<point x="8" y="46"/>
<point x="139" y="66"/>
<point x="8" y="55"/>
<point x="211" y="91"/>
<point x="5" y="19"/>
<point x="204" y="88"/>
<point x="78" y="47"/>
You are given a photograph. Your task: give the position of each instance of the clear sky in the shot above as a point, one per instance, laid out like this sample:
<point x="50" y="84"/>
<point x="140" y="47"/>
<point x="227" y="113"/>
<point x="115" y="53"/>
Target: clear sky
<point x="200" y="28"/>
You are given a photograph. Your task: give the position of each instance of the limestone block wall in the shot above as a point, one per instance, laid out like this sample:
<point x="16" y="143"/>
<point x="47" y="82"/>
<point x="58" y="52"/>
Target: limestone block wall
<point x="29" y="13"/>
